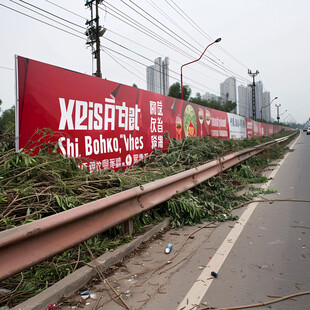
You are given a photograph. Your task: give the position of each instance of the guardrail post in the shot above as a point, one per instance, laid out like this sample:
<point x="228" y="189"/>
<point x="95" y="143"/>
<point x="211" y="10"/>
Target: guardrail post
<point x="128" y="227"/>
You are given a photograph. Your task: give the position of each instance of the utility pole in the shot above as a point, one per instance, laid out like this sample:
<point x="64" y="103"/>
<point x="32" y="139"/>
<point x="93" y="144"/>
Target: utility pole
<point x="94" y="32"/>
<point x="253" y="75"/>
<point x="278" y="115"/>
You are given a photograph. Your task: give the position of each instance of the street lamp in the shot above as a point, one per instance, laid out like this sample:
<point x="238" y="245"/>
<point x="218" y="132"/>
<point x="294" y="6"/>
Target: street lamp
<point x="290" y="120"/>
<point x="283" y="113"/>
<point x="289" y="115"/>
<point x="216" y="41"/>
<point x="265" y="106"/>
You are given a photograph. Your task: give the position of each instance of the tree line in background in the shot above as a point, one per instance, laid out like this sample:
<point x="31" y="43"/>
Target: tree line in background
<point x="7" y="119"/>
<point x="7" y="128"/>
<point x="220" y="104"/>
<point x="226" y="106"/>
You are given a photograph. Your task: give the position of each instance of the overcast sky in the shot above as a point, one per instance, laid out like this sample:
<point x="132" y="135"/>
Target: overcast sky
<point x="266" y="35"/>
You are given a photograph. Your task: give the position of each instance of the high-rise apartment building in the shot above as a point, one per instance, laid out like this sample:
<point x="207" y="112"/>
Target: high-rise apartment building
<point x="259" y="90"/>
<point x="244" y="103"/>
<point x="266" y="112"/>
<point x="262" y="99"/>
<point x="157" y="76"/>
<point x="245" y="100"/>
<point x="228" y="89"/>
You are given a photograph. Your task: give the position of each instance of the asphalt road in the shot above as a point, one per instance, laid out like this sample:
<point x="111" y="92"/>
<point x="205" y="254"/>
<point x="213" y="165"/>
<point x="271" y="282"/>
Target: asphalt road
<point x="262" y="256"/>
<point x="269" y="259"/>
<point x="272" y="255"/>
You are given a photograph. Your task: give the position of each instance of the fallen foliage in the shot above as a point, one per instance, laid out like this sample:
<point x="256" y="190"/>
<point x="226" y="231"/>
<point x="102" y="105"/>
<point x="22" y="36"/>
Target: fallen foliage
<point x="33" y="187"/>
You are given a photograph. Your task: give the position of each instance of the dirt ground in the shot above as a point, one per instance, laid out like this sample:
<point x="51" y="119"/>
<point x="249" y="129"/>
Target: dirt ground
<point x="144" y="273"/>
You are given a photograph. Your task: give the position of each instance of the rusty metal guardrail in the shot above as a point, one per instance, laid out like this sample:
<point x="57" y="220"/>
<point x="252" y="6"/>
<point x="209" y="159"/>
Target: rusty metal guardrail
<point x="29" y="244"/>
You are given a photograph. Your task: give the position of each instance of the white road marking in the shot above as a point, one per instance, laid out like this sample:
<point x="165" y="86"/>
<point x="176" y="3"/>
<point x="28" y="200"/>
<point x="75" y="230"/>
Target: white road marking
<point x="203" y="282"/>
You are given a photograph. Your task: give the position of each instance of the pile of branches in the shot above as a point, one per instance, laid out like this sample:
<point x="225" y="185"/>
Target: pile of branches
<point x="33" y="187"/>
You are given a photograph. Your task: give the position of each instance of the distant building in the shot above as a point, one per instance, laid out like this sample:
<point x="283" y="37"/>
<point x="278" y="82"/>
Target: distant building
<point x="259" y="90"/>
<point x="150" y="78"/>
<point x="262" y="98"/>
<point x="228" y="89"/>
<point x="157" y="76"/>
<point x="266" y="112"/>
<point x="209" y="96"/>
<point x="245" y="100"/>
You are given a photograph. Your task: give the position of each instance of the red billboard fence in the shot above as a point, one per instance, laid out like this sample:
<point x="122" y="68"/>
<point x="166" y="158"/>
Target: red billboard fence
<point x="112" y="125"/>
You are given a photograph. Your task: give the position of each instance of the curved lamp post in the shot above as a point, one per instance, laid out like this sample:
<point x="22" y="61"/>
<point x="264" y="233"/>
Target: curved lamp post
<point x="265" y="106"/>
<point x="283" y="113"/>
<point x="216" y="41"/>
<point x="290" y="119"/>
<point x="289" y="115"/>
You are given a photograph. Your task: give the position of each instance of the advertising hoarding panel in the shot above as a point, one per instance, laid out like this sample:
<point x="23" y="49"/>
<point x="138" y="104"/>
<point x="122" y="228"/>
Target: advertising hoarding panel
<point x="108" y="124"/>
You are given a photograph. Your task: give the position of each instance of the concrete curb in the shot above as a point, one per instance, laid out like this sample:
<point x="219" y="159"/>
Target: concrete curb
<point x="79" y="278"/>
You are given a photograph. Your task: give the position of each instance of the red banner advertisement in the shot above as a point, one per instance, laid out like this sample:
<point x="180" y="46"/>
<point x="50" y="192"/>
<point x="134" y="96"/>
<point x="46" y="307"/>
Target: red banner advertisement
<point x="111" y="125"/>
<point x="249" y="127"/>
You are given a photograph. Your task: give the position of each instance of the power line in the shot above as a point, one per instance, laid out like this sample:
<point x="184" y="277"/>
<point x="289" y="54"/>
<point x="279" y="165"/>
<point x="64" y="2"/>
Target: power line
<point x="178" y="26"/>
<point x="166" y="43"/>
<point x="75" y="34"/>
<point x="138" y="55"/>
<point x="190" y="68"/>
<point x="169" y="75"/>
<point x="169" y="59"/>
<point x="182" y="39"/>
<point x="151" y="50"/>
<point x="65" y="9"/>
<point x="196" y="26"/>
<point x="105" y="47"/>
<point x="169" y="44"/>
<point x="38" y="8"/>
<point x="192" y="23"/>
<point x="148" y="59"/>
<point x="205" y="34"/>
<point x="171" y="20"/>
<point x="118" y="61"/>
<point x="128" y="49"/>
<point x="41" y="20"/>
<point x="66" y="31"/>
<point x="146" y="30"/>
<point x="191" y="48"/>
<point x="6" y="68"/>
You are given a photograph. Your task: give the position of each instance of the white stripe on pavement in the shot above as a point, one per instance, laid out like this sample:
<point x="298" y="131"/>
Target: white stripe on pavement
<point x="203" y="282"/>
